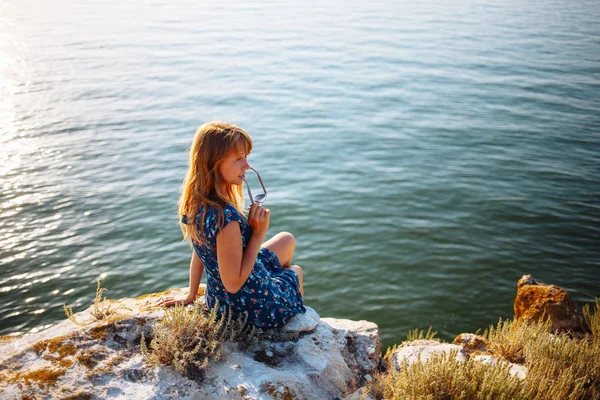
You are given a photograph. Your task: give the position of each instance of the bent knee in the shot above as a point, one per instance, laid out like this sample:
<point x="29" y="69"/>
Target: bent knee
<point x="289" y="239"/>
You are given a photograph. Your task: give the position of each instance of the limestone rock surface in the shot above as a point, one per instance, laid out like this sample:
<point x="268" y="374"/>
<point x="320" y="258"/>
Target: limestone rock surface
<point x="423" y="350"/>
<point x="518" y="370"/>
<point x="306" y="322"/>
<point x="102" y="360"/>
<point x="465" y="347"/>
<point x="362" y="349"/>
<point x="535" y="300"/>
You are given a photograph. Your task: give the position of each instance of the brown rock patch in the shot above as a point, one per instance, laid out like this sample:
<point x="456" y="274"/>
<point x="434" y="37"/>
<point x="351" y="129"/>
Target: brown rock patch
<point x="536" y="301"/>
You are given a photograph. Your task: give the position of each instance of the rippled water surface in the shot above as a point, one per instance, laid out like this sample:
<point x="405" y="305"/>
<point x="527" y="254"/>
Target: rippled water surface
<point x="425" y="155"/>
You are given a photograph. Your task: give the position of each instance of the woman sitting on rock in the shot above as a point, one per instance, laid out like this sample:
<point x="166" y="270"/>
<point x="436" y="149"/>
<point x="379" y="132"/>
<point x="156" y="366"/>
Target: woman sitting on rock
<point x="244" y="275"/>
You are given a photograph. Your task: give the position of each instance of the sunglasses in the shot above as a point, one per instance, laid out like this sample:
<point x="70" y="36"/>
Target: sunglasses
<point x="259" y="198"/>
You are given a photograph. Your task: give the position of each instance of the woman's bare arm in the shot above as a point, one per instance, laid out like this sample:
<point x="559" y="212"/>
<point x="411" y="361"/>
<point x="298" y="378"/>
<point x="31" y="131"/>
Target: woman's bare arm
<point x="196" y="271"/>
<point x="235" y="262"/>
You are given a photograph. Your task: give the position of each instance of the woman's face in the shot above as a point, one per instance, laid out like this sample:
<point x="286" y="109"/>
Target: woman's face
<point x="233" y="167"/>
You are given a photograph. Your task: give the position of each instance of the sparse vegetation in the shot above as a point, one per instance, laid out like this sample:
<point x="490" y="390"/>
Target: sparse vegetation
<point x="509" y="338"/>
<point x="558" y="367"/>
<point x="102" y="308"/>
<point x="562" y="367"/>
<point x="443" y="377"/>
<point x="186" y="340"/>
<point x="417" y="334"/>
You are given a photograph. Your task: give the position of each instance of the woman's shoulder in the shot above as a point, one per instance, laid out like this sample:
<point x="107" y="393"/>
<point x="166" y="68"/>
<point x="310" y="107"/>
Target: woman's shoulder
<point x="231" y="213"/>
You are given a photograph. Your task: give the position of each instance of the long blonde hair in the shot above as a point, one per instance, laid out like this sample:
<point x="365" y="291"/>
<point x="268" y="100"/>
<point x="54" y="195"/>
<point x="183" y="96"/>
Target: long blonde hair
<point x="202" y="184"/>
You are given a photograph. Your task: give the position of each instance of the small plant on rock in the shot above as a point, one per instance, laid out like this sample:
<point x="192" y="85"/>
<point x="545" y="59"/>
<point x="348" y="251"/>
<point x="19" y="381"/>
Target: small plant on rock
<point x="563" y="367"/>
<point x="188" y="339"/>
<point x="102" y="308"/>
<point x="445" y="377"/>
<point x="509" y="338"/>
<point x="417" y="334"/>
<point x="559" y="366"/>
<point x="185" y="340"/>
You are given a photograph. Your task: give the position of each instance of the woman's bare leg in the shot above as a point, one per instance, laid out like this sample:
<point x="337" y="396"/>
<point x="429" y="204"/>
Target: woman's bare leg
<point x="283" y="245"/>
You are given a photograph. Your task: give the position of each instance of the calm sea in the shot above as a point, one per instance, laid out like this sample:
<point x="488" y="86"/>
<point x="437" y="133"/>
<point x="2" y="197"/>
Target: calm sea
<point x="425" y="154"/>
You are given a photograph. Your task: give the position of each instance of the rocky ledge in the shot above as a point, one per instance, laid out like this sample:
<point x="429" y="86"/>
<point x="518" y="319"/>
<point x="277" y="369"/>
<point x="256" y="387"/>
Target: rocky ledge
<point x="326" y="359"/>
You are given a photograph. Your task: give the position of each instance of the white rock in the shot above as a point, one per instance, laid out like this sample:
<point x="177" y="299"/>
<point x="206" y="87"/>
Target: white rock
<point x="304" y="322"/>
<point x="423" y="350"/>
<point x="520" y="371"/>
<point x="361" y="340"/>
<point x="326" y="361"/>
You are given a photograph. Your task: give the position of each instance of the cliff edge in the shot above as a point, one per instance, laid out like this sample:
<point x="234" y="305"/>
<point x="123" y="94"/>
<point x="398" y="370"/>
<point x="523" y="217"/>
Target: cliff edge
<point x="326" y="358"/>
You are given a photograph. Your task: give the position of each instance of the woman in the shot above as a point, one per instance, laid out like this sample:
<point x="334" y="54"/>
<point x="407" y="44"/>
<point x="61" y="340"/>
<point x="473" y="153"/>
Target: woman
<point x="244" y="276"/>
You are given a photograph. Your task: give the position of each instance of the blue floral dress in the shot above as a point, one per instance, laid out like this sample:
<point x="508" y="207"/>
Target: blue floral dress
<point x="270" y="296"/>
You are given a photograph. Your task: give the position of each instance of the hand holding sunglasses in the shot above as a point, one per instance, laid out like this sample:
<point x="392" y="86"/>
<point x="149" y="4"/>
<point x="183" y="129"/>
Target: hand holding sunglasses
<point x="260" y="198"/>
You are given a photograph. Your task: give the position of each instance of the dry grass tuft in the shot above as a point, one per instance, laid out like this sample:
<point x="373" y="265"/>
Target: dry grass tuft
<point x="558" y="367"/>
<point x="562" y="367"/>
<point x="101" y="311"/>
<point x="593" y="320"/>
<point x="186" y="340"/>
<point x="417" y="334"/>
<point x="444" y="377"/>
<point x="509" y="338"/>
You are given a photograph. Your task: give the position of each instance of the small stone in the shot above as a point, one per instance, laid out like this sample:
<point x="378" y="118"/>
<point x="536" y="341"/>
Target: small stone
<point x="269" y="353"/>
<point x="471" y="343"/>
<point x="368" y="378"/>
<point x="242" y="389"/>
<point x="305" y="322"/>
